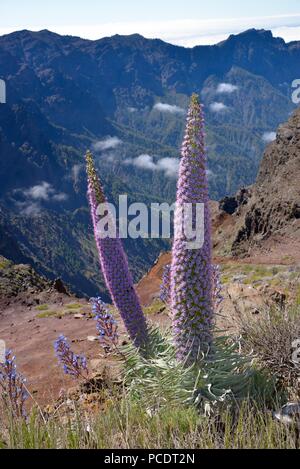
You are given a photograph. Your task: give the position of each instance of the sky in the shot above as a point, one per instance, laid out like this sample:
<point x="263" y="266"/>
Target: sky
<point x="182" y="22"/>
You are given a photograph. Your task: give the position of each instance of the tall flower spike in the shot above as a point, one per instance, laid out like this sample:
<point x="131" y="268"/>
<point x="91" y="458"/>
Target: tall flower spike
<point x="114" y="265"/>
<point x="191" y="275"/>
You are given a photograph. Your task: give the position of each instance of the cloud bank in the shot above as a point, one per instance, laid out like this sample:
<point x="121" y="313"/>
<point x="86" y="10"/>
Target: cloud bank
<point x="269" y="137"/>
<point x="108" y="143"/>
<point x="171" y="109"/>
<point x="218" y="107"/>
<point x="44" y="191"/>
<point x="35" y="195"/>
<point x="183" y="32"/>
<point x="226" y="88"/>
<point x="76" y="170"/>
<point x="169" y="166"/>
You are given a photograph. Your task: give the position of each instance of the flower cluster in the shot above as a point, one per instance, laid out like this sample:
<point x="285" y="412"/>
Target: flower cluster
<point x="217" y="297"/>
<point x="114" y="265"/>
<point x="107" y="326"/>
<point x="191" y="276"/>
<point x="12" y="384"/>
<point x="165" y="288"/>
<point x="73" y="365"/>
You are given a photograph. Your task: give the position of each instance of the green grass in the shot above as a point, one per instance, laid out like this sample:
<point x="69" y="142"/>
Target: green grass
<point x="155" y="307"/>
<point x="73" y="306"/>
<point x="274" y="275"/>
<point x="4" y="263"/>
<point x="226" y="279"/>
<point x="59" y="313"/>
<point x="298" y="296"/>
<point x="42" y="308"/>
<point x="47" y="314"/>
<point x="126" y="425"/>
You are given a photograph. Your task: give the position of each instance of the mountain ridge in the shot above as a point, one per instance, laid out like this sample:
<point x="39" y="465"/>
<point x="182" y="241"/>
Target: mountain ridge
<point x="66" y="94"/>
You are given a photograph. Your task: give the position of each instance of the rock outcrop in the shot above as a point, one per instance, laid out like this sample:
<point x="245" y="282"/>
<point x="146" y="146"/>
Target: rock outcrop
<point x="20" y="283"/>
<point x="268" y="213"/>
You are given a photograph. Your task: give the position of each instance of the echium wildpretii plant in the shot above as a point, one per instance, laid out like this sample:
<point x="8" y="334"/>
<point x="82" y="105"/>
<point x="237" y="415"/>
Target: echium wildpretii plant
<point x="191" y="271"/>
<point x="73" y="365"/>
<point x="12" y="386"/>
<point x="114" y="265"/>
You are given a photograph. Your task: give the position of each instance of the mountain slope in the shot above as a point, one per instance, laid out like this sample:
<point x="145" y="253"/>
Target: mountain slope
<point x="65" y="94"/>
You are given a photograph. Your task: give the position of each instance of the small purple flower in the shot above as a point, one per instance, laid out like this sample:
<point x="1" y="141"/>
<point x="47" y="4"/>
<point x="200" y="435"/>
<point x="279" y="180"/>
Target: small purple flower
<point x="106" y="325"/>
<point x="73" y="365"/>
<point x="12" y="384"/>
<point x="165" y="288"/>
<point x="217" y="297"/>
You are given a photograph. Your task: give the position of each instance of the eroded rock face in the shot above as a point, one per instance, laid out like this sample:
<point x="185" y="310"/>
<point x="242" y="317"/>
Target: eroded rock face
<point x="60" y="287"/>
<point x="231" y="205"/>
<point x="16" y="279"/>
<point x="274" y="207"/>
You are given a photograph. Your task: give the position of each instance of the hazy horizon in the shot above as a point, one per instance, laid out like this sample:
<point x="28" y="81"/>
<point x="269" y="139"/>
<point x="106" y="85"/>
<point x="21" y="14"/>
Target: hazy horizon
<point x="145" y="37"/>
<point x="189" y="24"/>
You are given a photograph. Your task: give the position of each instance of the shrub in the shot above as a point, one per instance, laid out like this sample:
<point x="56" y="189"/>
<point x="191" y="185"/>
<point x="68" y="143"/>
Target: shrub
<point x="271" y="337"/>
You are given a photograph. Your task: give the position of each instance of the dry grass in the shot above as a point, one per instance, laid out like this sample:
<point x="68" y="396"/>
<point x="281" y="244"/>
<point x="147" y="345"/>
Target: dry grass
<point x="271" y="338"/>
<point x="125" y="425"/>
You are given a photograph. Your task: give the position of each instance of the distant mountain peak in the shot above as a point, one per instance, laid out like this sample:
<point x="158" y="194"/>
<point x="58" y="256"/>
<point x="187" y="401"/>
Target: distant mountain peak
<point x="254" y="35"/>
<point x="253" y="32"/>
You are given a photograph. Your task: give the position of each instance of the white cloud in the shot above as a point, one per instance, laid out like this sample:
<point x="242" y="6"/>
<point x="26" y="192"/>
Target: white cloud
<point x="184" y="32"/>
<point x="169" y="166"/>
<point x="226" y="88"/>
<point x="108" y="143"/>
<point x="35" y="195"/>
<point x="42" y="191"/>
<point x="109" y="156"/>
<point x="76" y="170"/>
<point x="218" y="107"/>
<point x="61" y="197"/>
<point x="142" y="161"/>
<point x="172" y="109"/>
<point x="29" y="209"/>
<point x="269" y="137"/>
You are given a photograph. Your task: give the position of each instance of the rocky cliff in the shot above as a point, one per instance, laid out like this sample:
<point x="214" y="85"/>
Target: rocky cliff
<point x="265" y="218"/>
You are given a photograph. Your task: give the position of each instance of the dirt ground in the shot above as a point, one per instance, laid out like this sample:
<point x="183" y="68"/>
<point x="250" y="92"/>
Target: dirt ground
<point x="29" y="324"/>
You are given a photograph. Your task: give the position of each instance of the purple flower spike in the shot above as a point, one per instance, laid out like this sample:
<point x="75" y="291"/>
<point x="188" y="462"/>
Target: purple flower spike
<point x="73" y="365"/>
<point x="114" y="266"/>
<point x="191" y="272"/>
<point x="107" y="326"/>
<point x="12" y="385"/>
